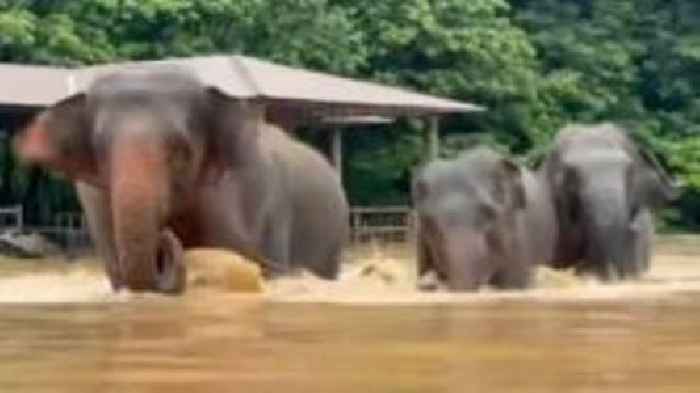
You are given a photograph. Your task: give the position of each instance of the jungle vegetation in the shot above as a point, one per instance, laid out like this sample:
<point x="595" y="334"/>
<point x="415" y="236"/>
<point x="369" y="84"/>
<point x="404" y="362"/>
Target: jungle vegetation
<point x="535" y="64"/>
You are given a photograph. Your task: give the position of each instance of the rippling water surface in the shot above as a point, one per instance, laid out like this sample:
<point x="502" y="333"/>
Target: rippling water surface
<point x="61" y="330"/>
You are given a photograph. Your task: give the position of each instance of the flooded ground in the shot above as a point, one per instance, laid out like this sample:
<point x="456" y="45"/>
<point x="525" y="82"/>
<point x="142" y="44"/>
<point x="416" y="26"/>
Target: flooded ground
<point x="63" y="331"/>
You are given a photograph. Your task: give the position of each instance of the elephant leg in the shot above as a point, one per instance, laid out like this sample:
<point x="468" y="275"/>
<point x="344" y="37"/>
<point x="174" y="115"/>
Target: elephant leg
<point x="277" y="246"/>
<point x="642" y="253"/>
<point x="428" y="279"/>
<point x="171" y="272"/>
<point x="641" y="237"/>
<point x="97" y="211"/>
<point x="331" y="268"/>
<point x="607" y="271"/>
<point x="425" y="257"/>
<point x="513" y="277"/>
<point x="603" y="271"/>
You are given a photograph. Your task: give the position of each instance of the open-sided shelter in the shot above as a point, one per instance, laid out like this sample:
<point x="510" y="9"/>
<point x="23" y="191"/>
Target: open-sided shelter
<point x="293" y="97"/>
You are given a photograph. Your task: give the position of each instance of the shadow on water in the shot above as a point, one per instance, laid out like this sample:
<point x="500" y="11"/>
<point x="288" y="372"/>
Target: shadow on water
<point x="62" y="331"/>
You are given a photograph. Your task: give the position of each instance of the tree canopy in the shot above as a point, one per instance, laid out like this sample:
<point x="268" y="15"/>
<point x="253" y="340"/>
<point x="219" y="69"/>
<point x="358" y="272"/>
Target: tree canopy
<point x="536" y="65"/>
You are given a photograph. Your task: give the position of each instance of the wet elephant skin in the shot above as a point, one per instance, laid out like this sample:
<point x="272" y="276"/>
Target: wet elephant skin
<point x="163" y="162"/>
<point x="483" y="220"/>
<point x="604" y="188"/>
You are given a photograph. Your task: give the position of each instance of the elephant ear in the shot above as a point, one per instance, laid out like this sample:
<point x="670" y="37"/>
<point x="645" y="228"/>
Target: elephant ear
<point x="418" y="181"/>
<point x="234" y="129"/>
<point x="513" y="180"/>
<point x="654" y="186"/>
<point x="419" y="190"/>
<point x="60" y="138"/>
<point x="550" y="167"/>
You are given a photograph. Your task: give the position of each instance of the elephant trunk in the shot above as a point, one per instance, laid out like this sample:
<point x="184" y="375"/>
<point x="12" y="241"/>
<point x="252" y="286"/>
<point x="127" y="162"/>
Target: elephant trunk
<point x="466" y="257"/>
<point x="608" y="232"/>
<point x="139" y="197"/>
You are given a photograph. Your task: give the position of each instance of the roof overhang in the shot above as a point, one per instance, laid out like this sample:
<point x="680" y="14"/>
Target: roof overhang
<point x="311" y="95"/>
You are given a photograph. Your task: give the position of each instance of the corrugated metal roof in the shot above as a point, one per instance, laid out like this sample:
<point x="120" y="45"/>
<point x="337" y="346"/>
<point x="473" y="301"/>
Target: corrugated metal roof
<point x="281" y="82"/>
<point x="28" y="85"/>
<point x="238" y="76"/>
<point x="341" y="120"/>
<point x="219" y="71"/>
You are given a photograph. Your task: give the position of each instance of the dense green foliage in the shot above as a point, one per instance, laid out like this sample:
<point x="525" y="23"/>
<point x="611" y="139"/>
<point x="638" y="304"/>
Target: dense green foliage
<point x="536" y="64"/>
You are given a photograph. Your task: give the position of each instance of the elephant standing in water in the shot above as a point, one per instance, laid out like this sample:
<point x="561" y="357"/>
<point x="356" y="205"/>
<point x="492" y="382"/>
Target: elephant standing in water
<point x="604" y="188"/>
<point x="483" y="220"/>
<point x="162" y="162"/>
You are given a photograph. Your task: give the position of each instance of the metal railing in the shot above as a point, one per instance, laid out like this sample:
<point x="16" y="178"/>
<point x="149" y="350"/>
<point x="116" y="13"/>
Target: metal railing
<point x="72" y="228"/>
<point x="11" y="218"/>
<point x="387" y="224"/>
<point x="68" y="232"/>
<point x="383" y="224"/>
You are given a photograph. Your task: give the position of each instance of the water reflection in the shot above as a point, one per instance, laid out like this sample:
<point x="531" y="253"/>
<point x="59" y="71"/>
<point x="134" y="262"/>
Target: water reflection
<point x="225" y="344"/>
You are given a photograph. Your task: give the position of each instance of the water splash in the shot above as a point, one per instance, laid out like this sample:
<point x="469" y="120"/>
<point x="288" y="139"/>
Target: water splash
<point x="375" y="276"/>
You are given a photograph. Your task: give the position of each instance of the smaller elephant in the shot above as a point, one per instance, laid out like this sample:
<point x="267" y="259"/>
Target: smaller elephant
<point x="604" y="190"/>
<point x="483" y="221"/>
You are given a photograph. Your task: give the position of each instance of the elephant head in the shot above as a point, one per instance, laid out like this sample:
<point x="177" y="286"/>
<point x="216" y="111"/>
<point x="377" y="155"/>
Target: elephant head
<point x="602" y="183"/>
<point x="467" y="209"/>
<point x="146" y="136"/>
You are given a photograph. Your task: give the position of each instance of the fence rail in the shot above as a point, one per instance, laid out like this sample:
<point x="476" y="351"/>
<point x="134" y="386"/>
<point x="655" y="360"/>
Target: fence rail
<point x="68" y="231"/>
<point x="384" y="223"/>
<point x="11" y="218"/>
<point x="70" y="240"/>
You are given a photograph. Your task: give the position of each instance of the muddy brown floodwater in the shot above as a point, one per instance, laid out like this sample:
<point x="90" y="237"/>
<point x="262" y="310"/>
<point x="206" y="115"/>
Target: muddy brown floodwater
<point x="61" y="330"/>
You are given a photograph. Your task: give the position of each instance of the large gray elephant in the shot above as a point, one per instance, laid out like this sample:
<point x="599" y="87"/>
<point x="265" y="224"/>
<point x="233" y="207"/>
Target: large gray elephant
<point x="483" y="220"/>
<point x="162" y="162"/>
<point x="604" y="189"/>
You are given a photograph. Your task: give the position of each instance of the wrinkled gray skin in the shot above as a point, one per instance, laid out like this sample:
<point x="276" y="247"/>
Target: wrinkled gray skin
<point x="162" y="162"/>
<point x="604" y="189"/>
<point x="483" y="220"/>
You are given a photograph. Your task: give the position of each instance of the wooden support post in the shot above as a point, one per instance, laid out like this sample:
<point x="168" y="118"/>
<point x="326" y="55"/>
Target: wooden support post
<point x="431" y="143"/>
<point x="355" y="226"/>
<point x="337" y="150"/>
<point x="20" y="217"/>
<point x="286" y="119"/>
<point x="432" y="139"/>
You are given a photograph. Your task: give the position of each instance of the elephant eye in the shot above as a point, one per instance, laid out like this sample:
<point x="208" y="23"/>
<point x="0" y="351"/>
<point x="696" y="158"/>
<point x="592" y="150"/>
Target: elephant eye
<point x="497" y="192"/>
<point x="634" y="212"/>
<point x="180" y="151"/>
<point x="570" y="179"/>
<point x="420" y="191"/>
<point x="573" y="209"/>
<point x="428" y="224"/>
<point x="486" y="214"/>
